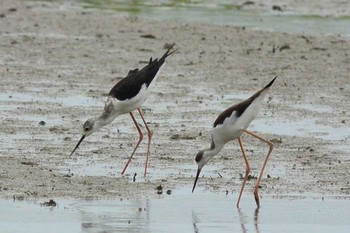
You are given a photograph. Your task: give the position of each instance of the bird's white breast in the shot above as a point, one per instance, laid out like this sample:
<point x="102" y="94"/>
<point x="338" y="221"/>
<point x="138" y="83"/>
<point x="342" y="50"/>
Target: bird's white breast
<point x="128" y="105"/>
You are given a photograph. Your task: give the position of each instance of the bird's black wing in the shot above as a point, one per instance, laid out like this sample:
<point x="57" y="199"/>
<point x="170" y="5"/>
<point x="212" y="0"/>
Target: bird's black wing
<point x="130" y="86"/>
<point x="240" y="107"/>
<point x="237" y="108"/>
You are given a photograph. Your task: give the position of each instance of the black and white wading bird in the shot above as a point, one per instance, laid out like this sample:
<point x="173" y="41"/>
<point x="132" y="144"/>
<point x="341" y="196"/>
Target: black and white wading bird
<point x="230" y="125"/>
<point x="126" y="96"/>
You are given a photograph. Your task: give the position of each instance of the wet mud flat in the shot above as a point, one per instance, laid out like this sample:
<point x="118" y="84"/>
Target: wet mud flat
<point x="58" y="62"/>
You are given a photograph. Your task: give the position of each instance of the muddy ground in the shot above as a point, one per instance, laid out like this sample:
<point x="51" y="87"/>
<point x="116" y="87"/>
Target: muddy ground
<point x="58" y="62"/>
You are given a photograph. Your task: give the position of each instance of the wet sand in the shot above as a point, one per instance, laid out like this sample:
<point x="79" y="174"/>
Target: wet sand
<point x="58" y="62"/>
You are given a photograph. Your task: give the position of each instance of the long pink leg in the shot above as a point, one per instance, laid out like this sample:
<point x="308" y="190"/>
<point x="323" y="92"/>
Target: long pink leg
<point x="138" y="143"/>
<point x="256" y="195"/>
<point x="247" y="170"/>
<point x="149" y="140"/>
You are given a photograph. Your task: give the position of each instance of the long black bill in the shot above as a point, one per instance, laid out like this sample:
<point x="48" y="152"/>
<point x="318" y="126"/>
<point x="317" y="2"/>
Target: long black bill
<point x="195" y="182"/>
<point x="76" y="147"/>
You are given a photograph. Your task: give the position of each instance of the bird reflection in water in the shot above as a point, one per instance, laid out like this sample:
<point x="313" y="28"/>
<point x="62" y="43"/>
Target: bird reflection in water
<point x="243" y="221"/>
<point x="194" y="222"/>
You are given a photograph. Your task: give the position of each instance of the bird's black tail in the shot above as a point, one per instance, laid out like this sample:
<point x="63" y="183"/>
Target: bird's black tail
<point x="167" y="53"/>
<point x="270" y="83"/>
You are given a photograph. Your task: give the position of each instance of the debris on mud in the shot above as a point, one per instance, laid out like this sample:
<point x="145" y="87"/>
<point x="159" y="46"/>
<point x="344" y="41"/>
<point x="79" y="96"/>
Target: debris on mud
<point x="184" y="137"/>
<point x="29" y="163"/>
<point x="50" y="203"/>
<point x="159" y="189"/>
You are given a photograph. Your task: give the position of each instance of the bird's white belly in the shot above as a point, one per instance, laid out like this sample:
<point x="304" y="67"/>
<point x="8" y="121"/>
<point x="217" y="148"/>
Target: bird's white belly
<point x="224" y="134"/>
<point x="130" y="105"/>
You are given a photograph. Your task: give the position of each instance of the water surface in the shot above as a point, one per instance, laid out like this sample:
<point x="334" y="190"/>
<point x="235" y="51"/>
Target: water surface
<point x="180" y="212"/>
<point x="226" y="13"/>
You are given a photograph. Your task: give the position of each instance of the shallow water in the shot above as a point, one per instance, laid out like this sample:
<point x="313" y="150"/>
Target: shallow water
<point x="225" y="13"/>
<point x="76" y="100"/>
<point x="304" y="127"/>
<point x="179" y="212"/>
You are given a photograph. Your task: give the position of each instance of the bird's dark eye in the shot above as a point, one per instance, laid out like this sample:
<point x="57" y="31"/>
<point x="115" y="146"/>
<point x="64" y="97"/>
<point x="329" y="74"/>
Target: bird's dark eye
<point x="199" y="156"/>
<point x="86" y="128"/>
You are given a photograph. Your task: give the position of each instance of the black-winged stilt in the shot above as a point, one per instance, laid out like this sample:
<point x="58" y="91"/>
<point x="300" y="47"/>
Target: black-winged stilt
<point x="230" y="125"/>
<point x="126" y="96"/>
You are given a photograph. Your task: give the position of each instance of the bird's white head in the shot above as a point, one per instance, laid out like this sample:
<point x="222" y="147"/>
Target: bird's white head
<point x="202" y="157"/>
<point x="90" y="126"/>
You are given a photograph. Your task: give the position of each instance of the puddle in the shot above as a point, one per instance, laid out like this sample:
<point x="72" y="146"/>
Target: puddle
<point x="303" y="128"/>
<point x="36" y="118"/>
<point x="344" y="147"/>
<point x="70" y="101"/>
<point x="7" y="107"/>
<point x="18" y="97"/>
<point x="90" y="167"/>
<point x="95" y="167"/>
<point x="314" y="108"/>
<point x="179" y="212"/>
<point x="78" y="100"/>
<point x="49" y="35"/>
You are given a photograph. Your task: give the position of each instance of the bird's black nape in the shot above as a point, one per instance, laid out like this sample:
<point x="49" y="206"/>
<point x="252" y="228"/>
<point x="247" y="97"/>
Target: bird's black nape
<point x="76" y="147"/>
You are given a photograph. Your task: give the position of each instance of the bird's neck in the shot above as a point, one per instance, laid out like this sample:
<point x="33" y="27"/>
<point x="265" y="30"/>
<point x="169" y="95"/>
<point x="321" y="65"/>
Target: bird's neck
<point x="214" y="149"/>
<point x="105" y="120"/>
